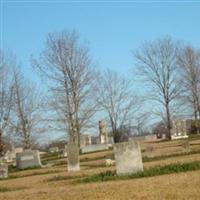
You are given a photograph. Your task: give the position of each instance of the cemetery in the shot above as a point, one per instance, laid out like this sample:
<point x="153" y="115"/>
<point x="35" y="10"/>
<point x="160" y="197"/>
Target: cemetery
<point x="119" y="172"/>
<point x="99" y="100"/>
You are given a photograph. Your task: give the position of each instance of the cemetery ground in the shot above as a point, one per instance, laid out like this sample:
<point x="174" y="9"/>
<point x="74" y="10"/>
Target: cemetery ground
<point x="171" y="171"/>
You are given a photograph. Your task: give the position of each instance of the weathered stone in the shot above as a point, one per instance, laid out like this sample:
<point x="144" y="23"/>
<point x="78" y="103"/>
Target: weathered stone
<point x="18" y="150"/>
<point x="73" y="157"/>
<point x="53" y="150"/>
<point x="85" y="140"/>
<point x="128" y="157"/>
<point x="186" y="146"/>
<point x="94" y="148"/>
<point x="179" y="129"/>
<point x="9" y="156"/>
<point x="103" y="133"/>
<point x="3" y="170"/>
<point x="28" y="158"/>
<point x="150" y="137"/>
<point x="149" y="152"/>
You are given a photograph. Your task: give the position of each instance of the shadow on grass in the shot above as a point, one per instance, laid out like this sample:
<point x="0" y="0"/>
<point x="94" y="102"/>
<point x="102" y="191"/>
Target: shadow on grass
<point x="61" y="178"/>
<point x="168" y="169"/>
<point x="5" y="189"/>
<point x="147" y="159"/>
<point x="31" y="174"/>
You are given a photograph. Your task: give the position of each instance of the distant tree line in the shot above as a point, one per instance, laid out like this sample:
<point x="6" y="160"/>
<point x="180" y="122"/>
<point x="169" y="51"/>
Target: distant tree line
<point x="76" y="91"/>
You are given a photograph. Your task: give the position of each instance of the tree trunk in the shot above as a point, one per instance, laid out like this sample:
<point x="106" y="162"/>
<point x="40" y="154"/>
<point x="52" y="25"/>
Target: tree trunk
<point x="1" y="143"/>
<point x="168" y="122"/>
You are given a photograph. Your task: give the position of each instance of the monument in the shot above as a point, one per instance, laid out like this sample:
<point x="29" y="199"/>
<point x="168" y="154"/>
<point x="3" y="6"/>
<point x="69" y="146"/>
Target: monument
<point x="94" y="148"/>
<point x="85" y="140"/>
<point x="179" y="129"/>
<point x="73" y="156"/>
<point x="128" y="157"/>
<point x="3" y="170"/>
<point x="103" y="134"/>
<point x="53" y="150"/>
<point x="28" y="158"/>
<point x="149" y="151"/>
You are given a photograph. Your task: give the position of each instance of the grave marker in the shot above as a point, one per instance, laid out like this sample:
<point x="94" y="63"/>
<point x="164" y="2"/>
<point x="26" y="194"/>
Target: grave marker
<point x="128" y="157"/>
<point x="3" y="170"/>
<point x="28" y="158"/>
<point x="73" y="157"/>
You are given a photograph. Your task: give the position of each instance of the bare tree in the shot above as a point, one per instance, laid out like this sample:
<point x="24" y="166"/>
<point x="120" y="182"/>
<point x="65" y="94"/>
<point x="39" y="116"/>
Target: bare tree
<point x="156" y="63"/>
<point x="189" y="62"/>
<point x="66" y="65"/>
<point x="6" y="94"/>
<point x="26" y="114"/>
<point x="142" y="121"/>
<point x="115" y="97"/>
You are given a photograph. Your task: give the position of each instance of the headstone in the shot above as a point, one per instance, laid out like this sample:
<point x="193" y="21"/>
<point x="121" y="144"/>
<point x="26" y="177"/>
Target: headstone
<point x="94" y="148"/>
<point x="186" y="146"/>
<point x="149" y="151"/>
<point x="128" y="157"/>
<point x="85" y="140"/>
<point x="73" y="157"/>
<point x="150" y="137"/>
<point x="103" y="134"/>
<point x="9" y="156"/>
<point x="18" y="150"/>
<point x="53" y="150"/>
<point x="3" y="170"/>
<point x="64" y="151"/>
<point x="179" y="129"/>
<point x="28" y="158"/>
<point x="110" y="140"/>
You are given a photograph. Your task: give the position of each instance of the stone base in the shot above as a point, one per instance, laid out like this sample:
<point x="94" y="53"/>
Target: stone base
<point x="73" y="168"/>
<point x="73" y="157"/>
<point x="179" y="137"/>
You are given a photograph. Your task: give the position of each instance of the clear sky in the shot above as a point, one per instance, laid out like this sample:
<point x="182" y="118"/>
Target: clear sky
<point x="112" y="28"/>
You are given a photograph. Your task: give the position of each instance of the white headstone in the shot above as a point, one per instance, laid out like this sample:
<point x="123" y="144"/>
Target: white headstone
<point x="73" y="157"/>
<point x="94" y="148"/>
<point x="53" y="150"/>
<point x="128" y="157"/>
<point x="3" y="170"/>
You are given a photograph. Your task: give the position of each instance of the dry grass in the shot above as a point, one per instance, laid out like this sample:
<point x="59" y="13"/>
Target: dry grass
<point x="55" y="183"/>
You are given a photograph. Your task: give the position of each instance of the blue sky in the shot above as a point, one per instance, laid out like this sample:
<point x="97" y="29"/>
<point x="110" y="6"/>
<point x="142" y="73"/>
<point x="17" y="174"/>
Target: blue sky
<point x="112" y="29"/>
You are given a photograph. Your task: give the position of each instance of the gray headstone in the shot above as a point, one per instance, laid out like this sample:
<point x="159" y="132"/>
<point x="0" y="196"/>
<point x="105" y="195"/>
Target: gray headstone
<point x="128" y="157"/>
<point x="73" y="157"/>
<point x="3" y="170"/>
<point x="94" y="148"/>
<point x="149" y="151"/>
<point x="28" y="158"/>
<point x="53" y="150"/>
<point x="186" y="146"/>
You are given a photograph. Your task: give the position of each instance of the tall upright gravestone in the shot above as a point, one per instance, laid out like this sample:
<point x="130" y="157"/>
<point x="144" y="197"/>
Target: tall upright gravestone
<point x="103" y="134"/>
<point x="128" y="157"/>
<point x="3" y="170"/>
<point x="73" y="156"/>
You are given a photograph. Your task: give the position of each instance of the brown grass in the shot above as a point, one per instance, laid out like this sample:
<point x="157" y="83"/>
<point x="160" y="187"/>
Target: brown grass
<point x="173" y="186"/>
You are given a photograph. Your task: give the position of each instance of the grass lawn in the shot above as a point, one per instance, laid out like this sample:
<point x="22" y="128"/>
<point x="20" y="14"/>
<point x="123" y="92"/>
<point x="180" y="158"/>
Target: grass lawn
<point x="170" y="174"/>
